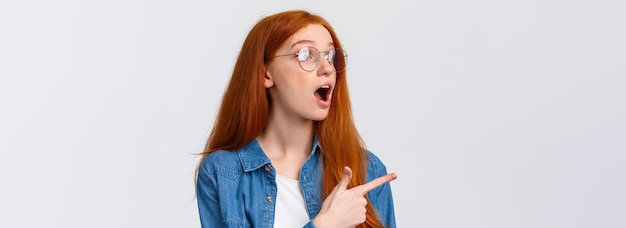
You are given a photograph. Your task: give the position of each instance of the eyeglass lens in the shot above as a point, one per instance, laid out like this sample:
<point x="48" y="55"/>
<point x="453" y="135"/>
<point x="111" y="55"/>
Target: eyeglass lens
<point x="309" y="58"/>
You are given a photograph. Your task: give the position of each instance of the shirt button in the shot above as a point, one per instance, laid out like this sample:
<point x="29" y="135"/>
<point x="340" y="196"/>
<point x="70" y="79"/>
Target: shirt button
<point x="267" y="168"/>
<point x="268" y="199"/>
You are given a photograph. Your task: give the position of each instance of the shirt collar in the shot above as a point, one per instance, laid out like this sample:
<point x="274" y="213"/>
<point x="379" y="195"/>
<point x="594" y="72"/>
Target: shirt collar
<point x="252" y="156"/>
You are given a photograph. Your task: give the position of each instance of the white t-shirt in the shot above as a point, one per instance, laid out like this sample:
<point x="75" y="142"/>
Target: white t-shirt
<point x="290" y="208"/>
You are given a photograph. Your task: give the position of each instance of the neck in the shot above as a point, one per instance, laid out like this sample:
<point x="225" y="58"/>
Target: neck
<point x="284" y="136"/>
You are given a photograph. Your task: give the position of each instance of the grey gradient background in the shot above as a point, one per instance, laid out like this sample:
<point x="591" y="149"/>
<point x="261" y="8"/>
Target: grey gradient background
<point x="493" y="113"/>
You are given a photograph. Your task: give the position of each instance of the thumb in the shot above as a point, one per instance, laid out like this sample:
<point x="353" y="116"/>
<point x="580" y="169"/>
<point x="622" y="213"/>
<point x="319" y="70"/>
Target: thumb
<point x="345" y="179"/>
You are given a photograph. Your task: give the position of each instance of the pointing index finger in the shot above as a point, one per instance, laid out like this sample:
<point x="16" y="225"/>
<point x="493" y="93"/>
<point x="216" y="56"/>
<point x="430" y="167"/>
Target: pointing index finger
<point x="369" y="186"/>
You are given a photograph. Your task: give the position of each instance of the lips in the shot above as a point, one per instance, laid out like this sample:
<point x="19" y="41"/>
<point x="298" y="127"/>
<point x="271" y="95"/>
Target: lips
<point x="323" y="92"/>
<point x="322" y="95"/>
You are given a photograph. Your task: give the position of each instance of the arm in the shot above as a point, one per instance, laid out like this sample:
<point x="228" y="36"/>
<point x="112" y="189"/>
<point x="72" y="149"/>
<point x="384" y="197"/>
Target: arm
<point x="345" y="207"/>
<point x="208" y="201"/>
<point x="383" y="202"/>
<point x="381" y="197"/>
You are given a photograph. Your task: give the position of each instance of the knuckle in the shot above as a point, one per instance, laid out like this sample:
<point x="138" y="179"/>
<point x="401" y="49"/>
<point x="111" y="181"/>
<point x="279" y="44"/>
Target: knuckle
<point x="363" y="202"/>
<point x="360" y="190"/>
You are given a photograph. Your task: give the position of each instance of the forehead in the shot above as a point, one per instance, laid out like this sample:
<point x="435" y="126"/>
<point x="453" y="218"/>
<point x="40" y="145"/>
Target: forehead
<point x="314" y="34"/>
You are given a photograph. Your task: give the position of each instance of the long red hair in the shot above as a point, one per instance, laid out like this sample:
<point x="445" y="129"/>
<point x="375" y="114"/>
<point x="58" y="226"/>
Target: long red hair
<point x="245" y="105"/>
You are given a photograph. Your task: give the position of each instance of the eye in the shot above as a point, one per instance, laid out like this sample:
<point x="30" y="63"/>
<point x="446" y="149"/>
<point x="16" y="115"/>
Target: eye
<point x="330" y="56"/>
<point x="303" y="54"/>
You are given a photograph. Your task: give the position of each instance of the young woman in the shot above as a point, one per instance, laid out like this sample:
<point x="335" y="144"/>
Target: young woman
<point x="284" y="150"/>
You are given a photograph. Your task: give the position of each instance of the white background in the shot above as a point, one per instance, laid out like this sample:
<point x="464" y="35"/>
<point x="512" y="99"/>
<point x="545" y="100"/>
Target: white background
<point x="492" y="114"/>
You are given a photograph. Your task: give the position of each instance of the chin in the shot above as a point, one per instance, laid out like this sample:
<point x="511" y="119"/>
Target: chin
<point x="319" y="116"/>
<point x="318" y="119"/>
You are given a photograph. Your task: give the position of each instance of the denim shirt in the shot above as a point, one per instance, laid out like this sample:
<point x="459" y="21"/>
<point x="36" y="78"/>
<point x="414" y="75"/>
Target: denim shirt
<point x="238" y="188"/>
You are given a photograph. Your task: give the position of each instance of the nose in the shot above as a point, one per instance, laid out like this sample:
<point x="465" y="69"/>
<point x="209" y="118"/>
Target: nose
<point x="325" y="68"/>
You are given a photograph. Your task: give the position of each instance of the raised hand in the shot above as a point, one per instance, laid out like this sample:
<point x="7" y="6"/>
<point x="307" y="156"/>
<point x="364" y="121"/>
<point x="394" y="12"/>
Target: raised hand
<point x="346" y="207"/>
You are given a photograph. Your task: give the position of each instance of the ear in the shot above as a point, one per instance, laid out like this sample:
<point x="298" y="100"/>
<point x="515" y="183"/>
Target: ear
<point x="268" y="81"/>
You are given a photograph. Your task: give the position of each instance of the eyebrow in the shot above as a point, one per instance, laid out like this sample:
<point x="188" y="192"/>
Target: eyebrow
<point x="330" y="44"/>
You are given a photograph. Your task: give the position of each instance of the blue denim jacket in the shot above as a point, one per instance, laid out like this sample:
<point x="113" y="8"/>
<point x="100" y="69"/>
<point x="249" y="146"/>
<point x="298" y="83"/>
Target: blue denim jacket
<point x="238" y="188"/>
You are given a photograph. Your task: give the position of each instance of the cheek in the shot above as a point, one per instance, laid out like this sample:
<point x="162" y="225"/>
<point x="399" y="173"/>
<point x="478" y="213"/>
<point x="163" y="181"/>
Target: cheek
<point x="295" y="85"/>
<point x="293" y="78"/>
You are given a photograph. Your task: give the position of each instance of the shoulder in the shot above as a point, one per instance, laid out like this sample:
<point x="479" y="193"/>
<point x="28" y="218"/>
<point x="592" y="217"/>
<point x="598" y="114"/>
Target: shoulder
<point x="375" y="166"/>
<point x="232" y="163"/>
<point x="222" y="162"/>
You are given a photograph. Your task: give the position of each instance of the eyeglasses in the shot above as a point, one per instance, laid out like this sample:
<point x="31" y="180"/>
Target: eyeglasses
<point x="309" y="58"/>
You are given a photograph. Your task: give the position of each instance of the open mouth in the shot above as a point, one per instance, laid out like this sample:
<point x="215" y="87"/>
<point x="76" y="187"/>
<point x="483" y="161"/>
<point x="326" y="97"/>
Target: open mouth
<point x="323" y="93"/>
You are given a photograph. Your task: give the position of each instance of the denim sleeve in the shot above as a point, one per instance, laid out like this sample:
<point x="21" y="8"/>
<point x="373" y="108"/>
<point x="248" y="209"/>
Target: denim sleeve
<point x="309" y="225"/>
<point x="385" y="206"/>
<point x="208" y="201"/>
<point x="381" y="197"/>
